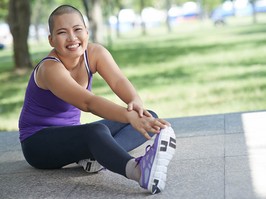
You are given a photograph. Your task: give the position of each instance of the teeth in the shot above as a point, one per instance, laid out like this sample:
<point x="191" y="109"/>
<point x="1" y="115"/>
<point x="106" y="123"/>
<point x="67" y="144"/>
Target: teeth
<point x="73" y="46"/>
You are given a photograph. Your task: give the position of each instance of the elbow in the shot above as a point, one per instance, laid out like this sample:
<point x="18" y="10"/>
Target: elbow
<point x="85" y="108"/>
<point x="87" y="104"/>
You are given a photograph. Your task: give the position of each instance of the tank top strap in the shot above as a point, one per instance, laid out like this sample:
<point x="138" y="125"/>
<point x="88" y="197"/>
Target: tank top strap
<point x="87" y="65"/>
<point x="47" y="58"/>
<point x="51" y="58"/>
<point x="87" y="62"/>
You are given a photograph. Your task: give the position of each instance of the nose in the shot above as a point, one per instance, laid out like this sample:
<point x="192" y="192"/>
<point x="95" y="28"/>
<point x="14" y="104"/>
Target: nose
<point x="72" y="36"/>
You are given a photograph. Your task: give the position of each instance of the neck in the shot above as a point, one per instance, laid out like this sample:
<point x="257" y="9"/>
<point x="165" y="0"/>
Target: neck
<point x="70" y="63"/>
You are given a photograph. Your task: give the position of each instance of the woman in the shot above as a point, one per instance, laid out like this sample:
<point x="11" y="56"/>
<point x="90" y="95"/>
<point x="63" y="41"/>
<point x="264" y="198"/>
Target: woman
<point x="60" y="88"/>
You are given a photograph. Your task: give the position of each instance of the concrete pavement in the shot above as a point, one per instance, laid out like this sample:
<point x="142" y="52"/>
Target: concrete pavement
<point x="217" y="157"/>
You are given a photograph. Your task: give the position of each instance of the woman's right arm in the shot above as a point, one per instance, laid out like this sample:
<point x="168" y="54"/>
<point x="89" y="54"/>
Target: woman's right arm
<point x="55" y="77"/>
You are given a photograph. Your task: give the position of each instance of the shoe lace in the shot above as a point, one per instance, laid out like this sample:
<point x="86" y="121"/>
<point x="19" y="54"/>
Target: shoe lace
<point x="138" y="159"/>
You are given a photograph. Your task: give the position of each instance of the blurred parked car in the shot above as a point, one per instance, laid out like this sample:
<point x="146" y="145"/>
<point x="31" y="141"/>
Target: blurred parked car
<point x="239" y="8"/>
<point x="187" y="11"/>
<point x="2" y="46"/>
<point x="260" y="6"/>
<point x="5" y="35"/>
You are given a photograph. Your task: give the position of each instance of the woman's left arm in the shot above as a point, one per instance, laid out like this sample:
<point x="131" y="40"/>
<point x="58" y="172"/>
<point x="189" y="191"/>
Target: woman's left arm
<point x="106" y="66"/>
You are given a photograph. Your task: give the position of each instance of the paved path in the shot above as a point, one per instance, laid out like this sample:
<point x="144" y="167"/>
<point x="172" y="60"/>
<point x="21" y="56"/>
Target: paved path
<point x="217" y="156"/>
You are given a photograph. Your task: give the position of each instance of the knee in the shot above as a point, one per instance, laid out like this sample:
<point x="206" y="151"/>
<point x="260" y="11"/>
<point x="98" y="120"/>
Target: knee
<point x="97" y="129"/>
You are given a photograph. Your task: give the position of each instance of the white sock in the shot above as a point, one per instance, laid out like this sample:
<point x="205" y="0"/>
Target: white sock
<point x="133" y="170"/>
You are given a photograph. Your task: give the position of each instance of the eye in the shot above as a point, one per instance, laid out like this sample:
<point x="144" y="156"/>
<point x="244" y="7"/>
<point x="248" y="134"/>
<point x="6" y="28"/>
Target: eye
<point x="61" y="32"/>
<point x="78" y="29"/>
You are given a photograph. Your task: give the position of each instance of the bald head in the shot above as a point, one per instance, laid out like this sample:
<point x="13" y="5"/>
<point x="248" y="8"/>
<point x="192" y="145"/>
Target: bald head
<point x="63" y="9"/>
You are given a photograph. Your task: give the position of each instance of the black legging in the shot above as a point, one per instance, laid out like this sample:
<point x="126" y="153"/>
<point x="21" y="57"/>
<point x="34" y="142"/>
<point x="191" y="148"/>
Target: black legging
<point x="105" y="141"/>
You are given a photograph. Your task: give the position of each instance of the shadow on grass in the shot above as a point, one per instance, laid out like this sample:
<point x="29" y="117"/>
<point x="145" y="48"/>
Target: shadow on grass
<point x="150" y="53"/>
<point x="13" y="84"/>
<point x="257" y="28"/>
<point x="256" y="74"/>
<point x="12" y="93"/>
<point x="160" y="78"/>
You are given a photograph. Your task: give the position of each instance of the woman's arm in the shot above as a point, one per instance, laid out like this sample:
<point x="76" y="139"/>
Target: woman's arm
<point x="56" y="78"/>
<point x="105" y="65"/>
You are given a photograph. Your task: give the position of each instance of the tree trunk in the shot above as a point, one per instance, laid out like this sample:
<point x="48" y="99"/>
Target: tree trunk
<point x="97" y="21"/>
<point x="254" y="13"/>
<point x="118" y="33"/>
<point x="95" y="18"/>
<point x="86" y="5"/>
<point x="168" y="23"/>
<point x="143" y="24"/>
<point x="19" y="22"/>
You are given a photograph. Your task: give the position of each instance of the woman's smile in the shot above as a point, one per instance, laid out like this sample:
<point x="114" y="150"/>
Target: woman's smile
<point x="73" y="46"/>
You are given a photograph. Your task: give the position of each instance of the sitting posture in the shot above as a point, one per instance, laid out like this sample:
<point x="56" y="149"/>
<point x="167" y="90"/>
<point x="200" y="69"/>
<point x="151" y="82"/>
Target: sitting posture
<point x="59" y="88"/>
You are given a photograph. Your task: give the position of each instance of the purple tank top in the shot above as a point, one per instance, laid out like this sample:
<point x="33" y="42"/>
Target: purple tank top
<point x="43" y="109"/>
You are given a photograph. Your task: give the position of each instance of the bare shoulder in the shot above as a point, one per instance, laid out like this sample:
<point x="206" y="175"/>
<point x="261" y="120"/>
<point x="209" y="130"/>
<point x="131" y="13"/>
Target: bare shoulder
<point x="97" y="51"/>
<point x="99" y="56"/>
<point x="95" y="47"/>
<point x="48" y="70"/>
<point x="51" y="66"/>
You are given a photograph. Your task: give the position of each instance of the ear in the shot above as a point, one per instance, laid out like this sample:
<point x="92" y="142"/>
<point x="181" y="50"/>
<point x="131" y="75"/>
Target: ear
<point x="88" y="33"/>
<point x="50" y="41"/>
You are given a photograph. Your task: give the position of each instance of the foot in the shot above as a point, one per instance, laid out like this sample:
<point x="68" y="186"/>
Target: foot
<point x="90" y="166"/>
<point x="153" y="164"/>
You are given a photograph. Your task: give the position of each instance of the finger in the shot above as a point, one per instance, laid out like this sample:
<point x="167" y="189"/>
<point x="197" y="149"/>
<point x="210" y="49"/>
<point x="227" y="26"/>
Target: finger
<point x="147" y="113"/>
<point x="130" y="107"/>
<point x="157" y="129"/>
<point x="145" y="134"/>
<point x="163" y="122"/>
<point x="141" y="112"/>
<point x="153" y="129"/>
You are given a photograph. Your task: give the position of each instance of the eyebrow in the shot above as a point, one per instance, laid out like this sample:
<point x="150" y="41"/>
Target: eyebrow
<point x="60" y="29"/>
<point x="78" y="25"/>
<point x="64" y="29"/>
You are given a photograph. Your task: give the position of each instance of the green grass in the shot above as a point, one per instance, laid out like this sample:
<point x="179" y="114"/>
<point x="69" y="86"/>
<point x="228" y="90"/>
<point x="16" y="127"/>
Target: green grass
<point x="197" y="69"/>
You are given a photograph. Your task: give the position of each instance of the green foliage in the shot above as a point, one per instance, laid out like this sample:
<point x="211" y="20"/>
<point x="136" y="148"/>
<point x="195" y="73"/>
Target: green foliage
<point x="3" y="9"/>
<point x="209" y="5"/>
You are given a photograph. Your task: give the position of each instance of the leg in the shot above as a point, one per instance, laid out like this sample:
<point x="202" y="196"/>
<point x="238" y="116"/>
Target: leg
<point x="55" y="147"/>
<point x="125" y="135"/>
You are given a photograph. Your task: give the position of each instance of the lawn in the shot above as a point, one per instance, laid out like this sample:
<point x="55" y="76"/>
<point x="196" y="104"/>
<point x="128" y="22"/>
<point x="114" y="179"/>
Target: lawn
<point x="198" y="69"/>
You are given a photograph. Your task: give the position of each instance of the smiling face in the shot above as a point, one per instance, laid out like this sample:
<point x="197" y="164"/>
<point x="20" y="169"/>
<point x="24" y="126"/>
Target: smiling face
<point x="69" y="36"/>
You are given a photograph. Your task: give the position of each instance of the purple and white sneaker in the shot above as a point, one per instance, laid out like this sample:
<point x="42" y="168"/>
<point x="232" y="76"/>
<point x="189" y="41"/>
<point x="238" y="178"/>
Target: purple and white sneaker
<point x="153" y="164"/>
<point x="90" y="166"/>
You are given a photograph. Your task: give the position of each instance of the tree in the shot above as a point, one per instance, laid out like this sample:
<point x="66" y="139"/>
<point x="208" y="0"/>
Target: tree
<point x="94" y="14"/>
<point x="168" y="24"/>
<point x="39" y="14"/>
<point x="253" y="3"/>
<point x="143" y="24"/>
<point x="19" y="22"/>
<point x="119" y="5"/>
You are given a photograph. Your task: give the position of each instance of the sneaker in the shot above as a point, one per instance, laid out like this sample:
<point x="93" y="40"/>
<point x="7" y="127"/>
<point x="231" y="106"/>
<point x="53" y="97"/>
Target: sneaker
<point x="153" y="164"/>
<point x="90" y="165"/>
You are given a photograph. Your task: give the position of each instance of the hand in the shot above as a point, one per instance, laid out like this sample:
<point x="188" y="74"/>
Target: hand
<point x="137" y="106"/>
<point x="147" y="124"/>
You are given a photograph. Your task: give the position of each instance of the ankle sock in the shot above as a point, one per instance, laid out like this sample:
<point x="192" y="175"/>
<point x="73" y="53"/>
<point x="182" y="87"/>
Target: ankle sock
<point x="133" y="170"/>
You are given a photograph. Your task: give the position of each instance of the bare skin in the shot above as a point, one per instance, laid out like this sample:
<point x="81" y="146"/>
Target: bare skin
<point x="68" y="79"/>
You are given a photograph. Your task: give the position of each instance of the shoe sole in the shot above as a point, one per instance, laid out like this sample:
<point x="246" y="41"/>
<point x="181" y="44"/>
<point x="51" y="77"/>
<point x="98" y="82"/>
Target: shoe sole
<point x="164" y="154"/>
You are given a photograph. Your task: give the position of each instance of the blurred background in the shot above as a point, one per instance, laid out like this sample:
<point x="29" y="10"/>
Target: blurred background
<point x="184" y="57"/>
